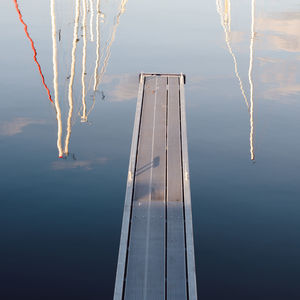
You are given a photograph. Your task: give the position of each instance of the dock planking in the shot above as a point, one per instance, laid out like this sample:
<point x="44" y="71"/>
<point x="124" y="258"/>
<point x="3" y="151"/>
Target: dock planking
<point x="156" y="255"/>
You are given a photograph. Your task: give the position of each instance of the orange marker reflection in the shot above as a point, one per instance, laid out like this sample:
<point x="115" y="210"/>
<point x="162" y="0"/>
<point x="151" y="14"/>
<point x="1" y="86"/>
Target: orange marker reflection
<point x="34" y="50"/>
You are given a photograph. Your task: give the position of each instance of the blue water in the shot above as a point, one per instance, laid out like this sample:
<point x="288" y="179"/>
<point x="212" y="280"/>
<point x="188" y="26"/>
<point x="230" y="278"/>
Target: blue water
<point x="60" y="219"/>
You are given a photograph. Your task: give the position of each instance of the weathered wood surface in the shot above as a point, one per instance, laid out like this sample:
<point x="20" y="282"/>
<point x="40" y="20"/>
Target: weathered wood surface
<point x="156" y="256"/>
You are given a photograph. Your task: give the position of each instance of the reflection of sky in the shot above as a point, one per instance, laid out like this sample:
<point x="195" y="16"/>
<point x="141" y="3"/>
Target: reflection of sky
<point x="66" y="214"/>
<point x="16" y="126"/>
<point x="279" y="35"/>
<point x="282" y="31"/>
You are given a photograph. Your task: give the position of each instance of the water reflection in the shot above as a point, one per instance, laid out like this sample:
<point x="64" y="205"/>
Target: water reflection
<point x="113" y="36"/>
<point x="83" y="72"/>
<point x="225" y="16"/>
<point x="33" y="49"/>
<point x="16" y="126"/>
<point x="91" y="10"/>
<point x="79" y="59"/>
<point x="280" y="36"/>
<point x="71" y="80"/>
<point x="227" y="13"/>
<point x="252" y="155"/>
<point x="55" y="81"/>
<point x="282" y="31"/>
<point x="99" y="15"/>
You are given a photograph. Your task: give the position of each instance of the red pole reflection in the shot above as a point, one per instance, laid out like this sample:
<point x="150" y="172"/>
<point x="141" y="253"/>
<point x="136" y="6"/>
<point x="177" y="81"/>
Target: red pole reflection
<point x="34" y="50"/>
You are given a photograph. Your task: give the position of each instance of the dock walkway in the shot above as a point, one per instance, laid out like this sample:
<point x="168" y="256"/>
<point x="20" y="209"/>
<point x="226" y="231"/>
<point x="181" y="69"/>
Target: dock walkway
<point x="156" y="255"/>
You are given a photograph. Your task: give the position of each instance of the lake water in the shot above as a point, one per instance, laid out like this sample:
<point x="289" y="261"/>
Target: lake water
<point x="60" y="218"/>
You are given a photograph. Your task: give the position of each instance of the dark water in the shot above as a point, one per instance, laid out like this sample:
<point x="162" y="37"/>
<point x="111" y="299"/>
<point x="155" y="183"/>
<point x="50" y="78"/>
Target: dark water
<point x="60" y="218"/>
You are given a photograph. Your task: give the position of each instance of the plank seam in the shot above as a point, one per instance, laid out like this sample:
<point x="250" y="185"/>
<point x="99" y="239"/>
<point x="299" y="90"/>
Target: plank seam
<point x="166" y="192"/>
<point x="150" y="194"/>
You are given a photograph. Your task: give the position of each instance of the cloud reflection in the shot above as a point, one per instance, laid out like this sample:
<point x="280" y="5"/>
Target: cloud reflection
<point x="82" y="164"/>
<point x="280" y="73"/>
<point x="16" y="126"/>
<point x="282" y="31"/>
<point x="121" y="87"/>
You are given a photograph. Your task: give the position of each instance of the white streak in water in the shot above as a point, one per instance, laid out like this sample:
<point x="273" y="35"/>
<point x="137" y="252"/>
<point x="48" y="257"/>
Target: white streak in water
<point x="252" y="154"/>
<point x="72" y="75"/>
<point x="55" y="80"/>
<point x="228" y="14"/>
<point x="108" y="51"/>
<point x="91" y="19"/>
<point x="223" y="23"/>
<point x="84" y="25"/>
<point x="97" y="44"/>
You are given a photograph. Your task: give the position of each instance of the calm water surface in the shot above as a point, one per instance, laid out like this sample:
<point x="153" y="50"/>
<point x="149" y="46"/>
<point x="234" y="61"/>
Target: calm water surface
<point x="60" y="218"/>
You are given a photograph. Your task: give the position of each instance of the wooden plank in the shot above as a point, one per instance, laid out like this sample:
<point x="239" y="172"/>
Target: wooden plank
<point x="120" y="275"/>
<point x="176" y="258"/>
<point x="145" y="278"/>
<point x="191" y="267"/>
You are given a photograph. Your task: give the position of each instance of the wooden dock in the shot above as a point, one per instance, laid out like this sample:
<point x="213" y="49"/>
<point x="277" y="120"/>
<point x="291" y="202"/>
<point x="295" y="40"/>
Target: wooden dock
<point x="156" y="255"/>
